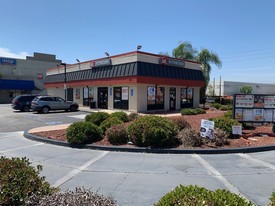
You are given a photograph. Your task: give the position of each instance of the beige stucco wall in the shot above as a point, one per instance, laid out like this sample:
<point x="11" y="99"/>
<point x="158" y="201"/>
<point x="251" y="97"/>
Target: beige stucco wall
<point x="137" y="101"/>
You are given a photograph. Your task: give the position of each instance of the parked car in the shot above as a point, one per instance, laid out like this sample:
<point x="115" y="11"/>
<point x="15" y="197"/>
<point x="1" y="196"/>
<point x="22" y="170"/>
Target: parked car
<point x="22" y="102"/>
<point x="43" y="104"/>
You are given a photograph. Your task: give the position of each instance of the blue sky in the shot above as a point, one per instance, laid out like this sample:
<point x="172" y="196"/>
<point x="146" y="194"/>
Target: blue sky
<point x="242" y="32"/>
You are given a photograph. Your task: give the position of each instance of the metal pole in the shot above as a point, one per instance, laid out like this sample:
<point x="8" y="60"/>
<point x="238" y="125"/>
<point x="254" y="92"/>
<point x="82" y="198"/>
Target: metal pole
<point x="214" y="87"/>
<point x="220" y="89"/>
<point x="65" y="79"/>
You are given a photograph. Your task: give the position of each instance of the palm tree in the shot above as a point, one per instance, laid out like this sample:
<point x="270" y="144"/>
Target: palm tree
<point x="206" y="57"/>
<point x="185" y="50"/>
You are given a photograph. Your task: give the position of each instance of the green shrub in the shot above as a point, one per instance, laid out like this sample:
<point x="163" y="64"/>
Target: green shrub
<point x="154" y="131"/>
<point x="228" y="114"/>
<point x="200" y="111"/>
<point x="225" y="124"/>
<point x="117" y="134"/>
<point x="272" y="200"/>
<point x="192" y="111"/>
<point x="83" y="133"/>
<point x="133" y="116"/>
<point x="225" y="107"/>
<point x="189" y="137"/>
<point x="20" y="182"/>
<point x="120" y="115"/>
<point x="194" y="195"/>
<point x="216" y="105"/>
<point x="181" y="123"/>
<point x="96" y="118"/>
<point x="188" y="111"/>
<point x="107" y="123"/>
<point x="80" y="196"/>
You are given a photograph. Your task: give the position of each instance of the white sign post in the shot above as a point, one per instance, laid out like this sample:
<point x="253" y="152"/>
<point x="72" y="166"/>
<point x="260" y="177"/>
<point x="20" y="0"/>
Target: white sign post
<point x="207" y="128"/>
<point x="237" y="130"/>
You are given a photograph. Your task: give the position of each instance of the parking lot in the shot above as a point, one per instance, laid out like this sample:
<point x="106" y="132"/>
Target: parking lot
<point x="133" y="178"/>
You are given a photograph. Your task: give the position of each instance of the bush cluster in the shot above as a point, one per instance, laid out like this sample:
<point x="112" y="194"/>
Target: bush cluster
<point x="83" y="133"/>
<point x="121" y="116"/>
<point x="80" y="196"/>
<point x="225" y="124"/>
<point x="154" y="131"/>
<point x="216" y="105"/>
<point x="97" y="117"/>
<point x="117" y="134"/>
<point x="21" y="183"/>
<point x="188" y="137"/>
<point x="194" y="195"/>
<point x="181" y="123"/>
<point x="133" y="116"/>
<point x="192" y="111"/>
<point x="225" y="107"/>
<point x="107" y="123"/>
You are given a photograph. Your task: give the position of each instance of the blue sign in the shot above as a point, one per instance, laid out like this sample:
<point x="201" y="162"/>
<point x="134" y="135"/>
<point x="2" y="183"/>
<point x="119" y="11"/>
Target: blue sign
<point x="8" y="61"/>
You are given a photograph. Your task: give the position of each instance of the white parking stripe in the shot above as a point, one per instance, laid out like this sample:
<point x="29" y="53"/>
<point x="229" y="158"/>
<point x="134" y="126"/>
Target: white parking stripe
<point x="19" y="148"/>
<point x="78" y="170"/>
<point x="260" y="162"/>
<point x="218" y="175"/>
<point x="79" y="116"/>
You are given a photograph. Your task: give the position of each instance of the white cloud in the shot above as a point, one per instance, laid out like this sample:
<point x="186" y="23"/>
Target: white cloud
<point x="4" y="52"/>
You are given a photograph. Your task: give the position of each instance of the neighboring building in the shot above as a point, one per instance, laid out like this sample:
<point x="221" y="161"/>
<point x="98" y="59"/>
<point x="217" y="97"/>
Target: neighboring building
<point x="24" y="76"/>
<point x="134" y="81"/>
<point x="229" y="88"/>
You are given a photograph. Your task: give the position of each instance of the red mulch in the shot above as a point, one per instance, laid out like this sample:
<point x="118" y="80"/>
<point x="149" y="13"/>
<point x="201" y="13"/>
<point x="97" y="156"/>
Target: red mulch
<point x="258" y="136"/>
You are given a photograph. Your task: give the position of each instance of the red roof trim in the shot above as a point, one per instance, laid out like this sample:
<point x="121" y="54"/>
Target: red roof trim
<point x="129" y="80"/>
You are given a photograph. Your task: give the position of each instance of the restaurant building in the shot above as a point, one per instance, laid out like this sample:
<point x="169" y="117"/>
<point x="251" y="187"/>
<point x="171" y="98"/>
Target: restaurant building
<point x="135" y="81"/>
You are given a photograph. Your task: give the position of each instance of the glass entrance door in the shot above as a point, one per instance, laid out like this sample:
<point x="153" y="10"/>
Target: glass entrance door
<point x="102" y="100"/>
<point x="172" y="98"/>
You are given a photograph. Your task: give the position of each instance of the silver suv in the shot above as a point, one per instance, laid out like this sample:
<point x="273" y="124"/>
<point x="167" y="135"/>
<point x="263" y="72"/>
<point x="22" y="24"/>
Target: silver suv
<point x="43" y="104"/>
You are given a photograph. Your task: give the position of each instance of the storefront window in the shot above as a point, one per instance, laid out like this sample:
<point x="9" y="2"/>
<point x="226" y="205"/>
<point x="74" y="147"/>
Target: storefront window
<point x="155" y="98"/>
<point x="121" y="97"/>
<point x="186" y="97"/>
<point x="88" y="96"/>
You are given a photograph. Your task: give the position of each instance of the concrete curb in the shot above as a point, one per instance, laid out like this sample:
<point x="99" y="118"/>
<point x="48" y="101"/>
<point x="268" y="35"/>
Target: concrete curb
<point x="150" y="150"/>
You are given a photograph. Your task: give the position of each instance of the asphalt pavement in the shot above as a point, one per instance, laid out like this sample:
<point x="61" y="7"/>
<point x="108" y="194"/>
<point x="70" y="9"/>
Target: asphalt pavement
<point x="141" y="178"/>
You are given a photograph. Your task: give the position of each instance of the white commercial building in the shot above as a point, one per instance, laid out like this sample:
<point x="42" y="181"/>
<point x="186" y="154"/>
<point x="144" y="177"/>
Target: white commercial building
<point x="229" y="88"/>
<point x="24" y="76"/>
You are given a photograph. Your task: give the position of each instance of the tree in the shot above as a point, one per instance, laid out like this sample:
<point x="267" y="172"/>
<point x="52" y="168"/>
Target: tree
<point x="185" y="50"/>
<point x="246" y="90"/>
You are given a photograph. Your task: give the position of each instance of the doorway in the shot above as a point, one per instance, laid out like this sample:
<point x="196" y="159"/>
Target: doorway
<point x="172" y="98"/>
<point x="70" y="94"/>
<point x="102" y="100"/>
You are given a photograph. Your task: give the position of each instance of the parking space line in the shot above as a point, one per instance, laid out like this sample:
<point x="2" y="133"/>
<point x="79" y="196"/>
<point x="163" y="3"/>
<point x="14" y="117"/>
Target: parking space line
<point x="19" y="148"/>
<point x="255" y="160"/>
<point x="79" y="169"/>
<point x="218" y="175"/>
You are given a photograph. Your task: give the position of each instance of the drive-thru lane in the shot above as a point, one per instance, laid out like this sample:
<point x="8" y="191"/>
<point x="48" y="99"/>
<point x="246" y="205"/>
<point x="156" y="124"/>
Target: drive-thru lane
<point x="142" y="178"/>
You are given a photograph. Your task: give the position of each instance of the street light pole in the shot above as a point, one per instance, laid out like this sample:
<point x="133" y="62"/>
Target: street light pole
<point x="65" y="79"/>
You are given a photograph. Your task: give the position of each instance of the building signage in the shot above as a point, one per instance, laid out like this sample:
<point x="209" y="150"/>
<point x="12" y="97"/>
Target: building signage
<point x="172" y="62"/>
<point x="101" y="63"/>
<point x="8" y="61"/>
